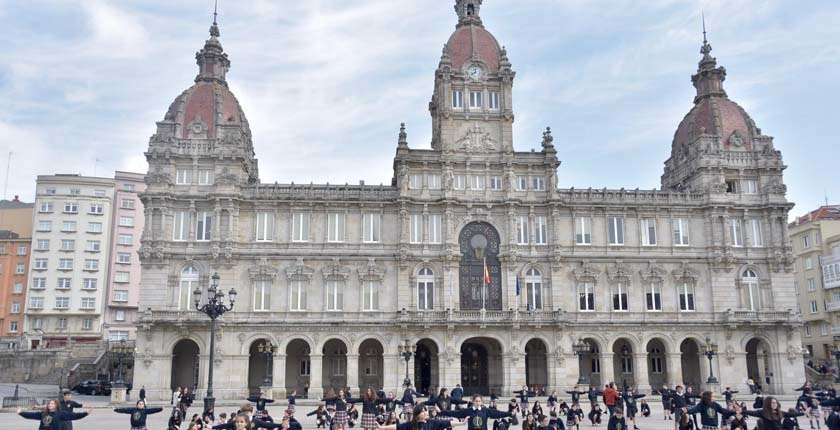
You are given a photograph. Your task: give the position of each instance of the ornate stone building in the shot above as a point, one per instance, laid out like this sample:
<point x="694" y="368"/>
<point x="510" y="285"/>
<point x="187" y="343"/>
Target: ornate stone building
<point x="338" y="276"/>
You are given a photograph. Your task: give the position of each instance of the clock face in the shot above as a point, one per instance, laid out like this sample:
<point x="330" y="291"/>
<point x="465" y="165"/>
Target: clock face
<point x="475" y="72"/>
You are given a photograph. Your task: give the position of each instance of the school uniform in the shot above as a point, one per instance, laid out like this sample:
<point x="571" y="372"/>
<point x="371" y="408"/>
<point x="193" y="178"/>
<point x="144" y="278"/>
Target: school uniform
<point x="768" y="424"/>
<point x="68" y="406"/>
<point x="616" y="423"/>
<point x="407" y="401"/>
<point x="593" y="396"/>
<point x="260" y="403"/>
<point x="429" y="424"/>
<point x="574" y="417"/>
<point x="833" y="421"/>
<point x="595" y="416"/>
<point x="368" y="411"/>
<point x="677" y="403"/>
<point x="630" y="408"/>
<point x="666" y="399"/>
<point x="645" y="410"/>
<point x="340" y="417"/>
<point x="728" y="395"/>
<point x="291" y="403"/>
<point x="477" y="418"/>
<point x="709" y="414"/>
<point x="738" y="423"/>
<point x="575" y="395"/>
<point x="53" y="420"/>
<point x="138" y="416"/>
<point x="523" y="396"/>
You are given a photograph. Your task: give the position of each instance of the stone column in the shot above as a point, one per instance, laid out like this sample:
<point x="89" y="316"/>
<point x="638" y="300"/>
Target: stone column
<point x="640" y="372"/>
<point x="278" y="376"/>
<point x="514" y="365"/>
<point x="316" y="385"/>
<point x="674" y="369"/>
<point x="450" y="368"/>
<point x="390" y="378"/>
<point x="353" y="372"/>
<point x="607" y="367"/>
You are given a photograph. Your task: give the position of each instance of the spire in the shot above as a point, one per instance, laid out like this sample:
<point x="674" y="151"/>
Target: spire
<point x="468" y="12"/>
<point x="403" y="141"/>
<point x="212" y="61"/>
<point x="709" y="78"/>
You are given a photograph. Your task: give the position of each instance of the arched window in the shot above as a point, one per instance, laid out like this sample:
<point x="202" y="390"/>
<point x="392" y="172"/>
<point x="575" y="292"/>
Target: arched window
<point x="470" y="9"/>
<point x="425" y="289"/>
<point x="533" y="289"/>
<point x="186" y="285"/>
<point x="752" y="298"/>
<point x="596" y="359"/>
<point x="655" y="360"/>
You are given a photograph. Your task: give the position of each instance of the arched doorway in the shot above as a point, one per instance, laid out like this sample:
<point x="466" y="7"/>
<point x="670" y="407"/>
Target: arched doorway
<point x="591" y="363"/>
<point x="758" y="364"/>
<point x="297" y="367"/>
<point x="259" y="371"/>
<point x="623" y="365"/>
<point x="657" y="367"/>
<point x="185" y="364"/>
<point x="690" y="360"/>
<point x="334" y="371"/>
<point x="536" y="363"/>
<point x="481" y="366"/>
<point x="479" y="244"/>
<point x="426" y="371"/>
<point x="371" y="365"/>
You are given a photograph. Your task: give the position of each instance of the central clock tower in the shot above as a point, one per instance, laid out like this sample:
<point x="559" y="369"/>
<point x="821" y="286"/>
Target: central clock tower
<point x="472" y="105"/>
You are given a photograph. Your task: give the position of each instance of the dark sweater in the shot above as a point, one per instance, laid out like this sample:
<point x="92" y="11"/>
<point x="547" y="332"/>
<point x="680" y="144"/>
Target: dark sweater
<point x="616" y="423"/>
<point x="709" y="413"/>
<point x="54" y="420"/>
<point x="769" y="424"/>
<point x="477" y="417"/>
<point x="138" y="416"/>
<point x="429" y="424"/>
<point x="260" y="402"/>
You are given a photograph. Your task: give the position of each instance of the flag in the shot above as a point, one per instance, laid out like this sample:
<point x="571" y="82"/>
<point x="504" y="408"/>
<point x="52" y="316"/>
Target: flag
<point x="517" y="285"/>
<point x="486" y="273"/>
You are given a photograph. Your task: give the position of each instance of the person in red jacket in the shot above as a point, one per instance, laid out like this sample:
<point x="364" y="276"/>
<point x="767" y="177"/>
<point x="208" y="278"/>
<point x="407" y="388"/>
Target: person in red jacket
<point x="610" y="397"/>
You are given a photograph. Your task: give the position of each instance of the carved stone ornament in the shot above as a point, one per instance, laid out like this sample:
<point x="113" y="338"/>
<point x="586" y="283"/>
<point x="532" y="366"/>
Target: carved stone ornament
<point x="262" y="271"/>
<point x="794" y="352"/>
<point x="476" y="140"/>
<point x="585" y="272"/>
<point x="653" y="273"/>
<point x="300" y="271"/>
<point x="335" y="271"/>
<point x="147" y="358"/>
<point x="226" y="178"/>
<point x="736" y="140"/>
<point x="371" y="271"/>
<point x="218" y="358"/>
<point x="618" y="272"/>
<point x="158" y="177"/>
<point x="685" y="273"/>
<point x="241" y="338"/>
<point x="729" y="354"/>
<point x="197" y="128"/>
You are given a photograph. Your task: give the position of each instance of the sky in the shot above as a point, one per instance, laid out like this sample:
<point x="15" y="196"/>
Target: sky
<point x="325" y="84"/>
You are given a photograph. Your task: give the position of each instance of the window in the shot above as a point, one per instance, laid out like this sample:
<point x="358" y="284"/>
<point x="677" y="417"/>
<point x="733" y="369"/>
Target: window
<point x="583" y="231"/>
<point x="754" y="226"/>
<point x="45" y="207"/>
<point x="415" y="181"/>
<point x="809" y="264"/>
<point x="124" y="258"/>
<point x="262" y="295"/>
<point x="459" y="182"/>
<point x="183" y="176"/>
<point x="36" y="303"/>
<point x="13" y="326"/>
<point x="97" y="209"/>
<point x="425" y="290"/>
<point x="93" y="246"/>
<point x="813" y="306"/>
<point x="203" y="226"/>
<point x="540" y="231"/>
<point x="89" y="283"/>
<point x="433" y="182"/>
<point x="475" y="100"/>
<point x="40" y="263"/>
<point x="620" y="297"/>
<point x="179" y="226"/>
<point x="533" y="289"/>
<point x="493" y="101"/>
<point x="188" y="283"/>
<point x="87" y="323"/>
<point x="753" y="295"/>
<point x="371" y="363"/>
<point x="297" y="301"/>
<point x="64" y="283"/>
<point x="120" y="295"/>
<point x="736" y="232"/>
<point x="586" y="296"/>
<point x="15" y="307"/>
<point x="18" y="288"/>
<point x="205" y="176"/>
<point x="62" y="302"/>
<point x="42" y="245"/>
<point x="91" y="264"/>
<point x="807" y="330"/>
<point x="121" y="277"/>
<point x="88" y="303"/>
<point x="823" y="329"/>
<point x="521" y="183"/>
<point x="435" y="229"/>
<point x="335" y="296"/>
<point x="265" y="226"/>
<point x="71" y="208"/>
<point x="300" y="226"/>
<point x="128" y="187"/>
<point x="99" y="193"/>
<point x="538" y="183"/>
<point x="686" y="296"/>
<point x="616" y="230"/>
<point x="304" y="367"/>
<point x="39" y="283"/>
<point x="119" y="315"/>
<point x="126" y="221"/>
<point x="335" y="227"/>
<point x="656" y="360"/>
<point x="457" y="99"/>
<point x="370" y="229"/>
<point x="370" y="295"/>
<point x="812" y="286"/>
<point x="68" y="226"/>
<point x="127" y="204"/>
<point x="477" y="182"/>
<point x="496" y="183"/>
<point x="731" y="186"/>
<point x="20" y="268"/>
<point x="648" y="226"/>
<point x="125" y="239"/>
<point x="653" y="296"/>
<point x="21" y="250"/>
<point x="68" y="245"/>
<point x="44" y="225"/>
<point x="62" y="323"/>
<point x="806" y="241"/>
<point x="416" y="227"/>
<point x="522" y="230"/>
<point x="94" y="227"/>
<point x="626" y="362"/>
<point x="680" y="232"/>
<point x="37" y="323"/>
<point x="750" y="186"/>
<point x="596" y="362"/>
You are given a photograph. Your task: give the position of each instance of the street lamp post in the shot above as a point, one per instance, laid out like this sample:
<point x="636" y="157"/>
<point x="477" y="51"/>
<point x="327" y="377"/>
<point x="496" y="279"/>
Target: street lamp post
<point x="121" y="351"/>
<point x="406" y="350"/>
<point x="214" y="308"/>
<point x="711" y="350"/>
<point x="580" y="347"/>
<point x="268" y="349"/>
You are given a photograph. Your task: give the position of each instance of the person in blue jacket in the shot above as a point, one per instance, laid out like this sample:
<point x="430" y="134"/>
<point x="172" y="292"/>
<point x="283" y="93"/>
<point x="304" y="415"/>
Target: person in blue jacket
<point x="709" y="411"/>
<point x="477" y="415"/>
<point x="51" y="417"/>
<point x="420" y="421"/>
<point x="138" y="414"/>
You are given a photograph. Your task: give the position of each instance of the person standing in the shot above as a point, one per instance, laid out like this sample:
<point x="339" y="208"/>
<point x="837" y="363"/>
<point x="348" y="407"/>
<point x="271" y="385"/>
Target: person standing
<point x="142" y="393"/>
<point x="67" y="404"/>
<point x="138" y="414"/>
<point x="665" y="392"/>
<point x="709" y="411"/>
<point x="477" y="415"/>
<point x="176" y="397"/>
<point x="51" y="417"/>
<point x="630" y="405"/>
<point x="678" y="404"/>
<point x="523" y="395"/>
<point x="457" y="394"/>
<point x="610" y="398"/>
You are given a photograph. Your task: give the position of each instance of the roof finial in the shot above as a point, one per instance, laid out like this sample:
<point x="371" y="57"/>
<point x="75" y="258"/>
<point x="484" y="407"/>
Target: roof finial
<point x="703" y="17"/>
<point x="214" y="29"/>
<point x="706" y="49"/>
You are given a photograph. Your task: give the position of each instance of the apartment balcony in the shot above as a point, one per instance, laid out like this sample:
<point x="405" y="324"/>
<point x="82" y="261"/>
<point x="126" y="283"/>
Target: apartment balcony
<point x="830" y="266"/>
<point x="832" y="306"/>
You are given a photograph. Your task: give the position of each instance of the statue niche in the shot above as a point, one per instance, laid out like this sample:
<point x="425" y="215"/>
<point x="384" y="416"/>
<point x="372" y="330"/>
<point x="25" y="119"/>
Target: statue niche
<point x="479" y="242"/>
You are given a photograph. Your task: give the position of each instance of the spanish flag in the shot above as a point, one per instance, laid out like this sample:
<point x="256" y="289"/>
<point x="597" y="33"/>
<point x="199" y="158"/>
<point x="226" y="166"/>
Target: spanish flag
<point x="486" y="273"/>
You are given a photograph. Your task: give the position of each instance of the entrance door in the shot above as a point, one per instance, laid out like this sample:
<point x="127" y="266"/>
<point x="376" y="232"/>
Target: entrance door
<point x="479" y="245"/>
<point x="474" y="369"/>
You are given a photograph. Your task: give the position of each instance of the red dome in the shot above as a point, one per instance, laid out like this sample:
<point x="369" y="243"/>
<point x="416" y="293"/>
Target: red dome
<point x="716" y="116"/>
<point x="473" y="38"/>
<point x="199" y="109"/>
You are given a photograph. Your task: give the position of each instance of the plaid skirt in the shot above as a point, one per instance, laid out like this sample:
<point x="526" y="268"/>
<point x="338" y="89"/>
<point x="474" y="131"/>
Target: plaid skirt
<point x="708" y="427"/>
<point x="369" y="421"/>
<point x="815" y="412"/>
<point x="340" y="418"/>
<point x="291" y="407"/>
<point x="260" y="413"/>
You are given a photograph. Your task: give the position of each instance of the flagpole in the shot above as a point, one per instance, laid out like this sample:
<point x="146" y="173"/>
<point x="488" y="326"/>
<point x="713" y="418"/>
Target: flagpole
<point x="484" y="285"/>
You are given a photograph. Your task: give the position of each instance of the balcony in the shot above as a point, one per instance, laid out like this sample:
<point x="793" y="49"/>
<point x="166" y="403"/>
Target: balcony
<point x="832" y="306"/>
<point x="831" y="271"/>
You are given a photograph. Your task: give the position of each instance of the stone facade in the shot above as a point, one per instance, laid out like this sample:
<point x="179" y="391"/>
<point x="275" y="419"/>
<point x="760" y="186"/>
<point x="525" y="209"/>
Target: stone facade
<point x="474" y="253"/>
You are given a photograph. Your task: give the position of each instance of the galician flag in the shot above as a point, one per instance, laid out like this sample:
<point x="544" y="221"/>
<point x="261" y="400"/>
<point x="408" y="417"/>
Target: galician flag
<point x="486" y="273"/>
